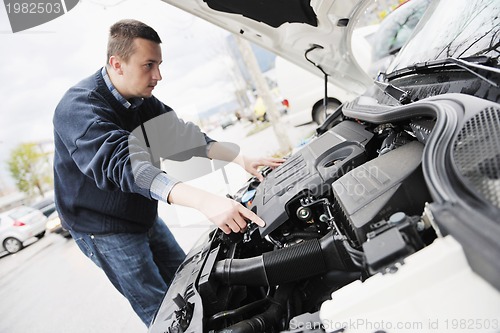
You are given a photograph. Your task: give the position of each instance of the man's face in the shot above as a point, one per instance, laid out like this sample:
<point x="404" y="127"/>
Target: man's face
<point x="141" y="73"/>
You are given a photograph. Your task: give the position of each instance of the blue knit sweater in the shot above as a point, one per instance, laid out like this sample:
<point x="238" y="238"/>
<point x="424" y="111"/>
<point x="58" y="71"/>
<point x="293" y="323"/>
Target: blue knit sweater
<point x="103" y="173"/>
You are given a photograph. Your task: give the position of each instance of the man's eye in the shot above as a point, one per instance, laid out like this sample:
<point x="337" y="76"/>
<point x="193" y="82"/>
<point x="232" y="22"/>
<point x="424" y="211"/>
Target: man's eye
<point x="149" y="66"/>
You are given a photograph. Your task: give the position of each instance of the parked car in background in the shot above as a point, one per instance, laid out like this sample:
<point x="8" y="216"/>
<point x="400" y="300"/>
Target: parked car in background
<point x="305" y="92"/>
<point x="228" y="120"/>
<point x="260" y="109"/>
<point x="20" y="224"/>
<point x="47" y="206"/>
<point x="54" y="225"/>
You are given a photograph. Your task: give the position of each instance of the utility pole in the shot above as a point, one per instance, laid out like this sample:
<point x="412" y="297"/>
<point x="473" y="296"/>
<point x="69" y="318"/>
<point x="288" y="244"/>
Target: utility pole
<point x="264" y="92"/>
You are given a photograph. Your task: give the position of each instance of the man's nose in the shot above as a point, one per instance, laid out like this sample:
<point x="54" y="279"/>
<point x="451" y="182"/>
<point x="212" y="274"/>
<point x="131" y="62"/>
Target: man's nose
<point x="157" y="74"/>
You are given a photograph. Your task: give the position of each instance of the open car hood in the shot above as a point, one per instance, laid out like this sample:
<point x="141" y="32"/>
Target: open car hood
<point x="290" y="28"/>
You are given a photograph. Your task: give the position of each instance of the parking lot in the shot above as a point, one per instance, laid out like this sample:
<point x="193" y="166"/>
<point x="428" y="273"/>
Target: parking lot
<point x="51" y="287"/>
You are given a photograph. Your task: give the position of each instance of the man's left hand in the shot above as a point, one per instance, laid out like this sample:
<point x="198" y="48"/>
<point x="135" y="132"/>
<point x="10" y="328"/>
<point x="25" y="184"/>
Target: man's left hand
<point x="252" y="164"/>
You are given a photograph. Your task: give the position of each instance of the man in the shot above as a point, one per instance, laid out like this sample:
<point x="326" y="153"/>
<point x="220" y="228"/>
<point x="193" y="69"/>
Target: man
<point x="106" y="169"/>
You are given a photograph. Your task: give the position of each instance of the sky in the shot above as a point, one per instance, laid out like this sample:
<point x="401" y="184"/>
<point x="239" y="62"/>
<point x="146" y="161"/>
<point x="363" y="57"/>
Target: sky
<point x="39" y="64"/>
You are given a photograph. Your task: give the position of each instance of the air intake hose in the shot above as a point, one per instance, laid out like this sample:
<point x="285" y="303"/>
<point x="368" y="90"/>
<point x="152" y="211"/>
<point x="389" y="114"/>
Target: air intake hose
<point x="267" y="321"/>
<point x="309" y="258"/>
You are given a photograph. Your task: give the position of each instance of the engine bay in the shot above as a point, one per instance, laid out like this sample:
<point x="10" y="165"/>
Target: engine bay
<point x="352" y="203"/>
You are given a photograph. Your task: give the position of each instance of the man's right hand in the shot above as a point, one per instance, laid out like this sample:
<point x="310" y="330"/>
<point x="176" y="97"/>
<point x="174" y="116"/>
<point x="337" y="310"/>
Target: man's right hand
<point x="227" y="214"/>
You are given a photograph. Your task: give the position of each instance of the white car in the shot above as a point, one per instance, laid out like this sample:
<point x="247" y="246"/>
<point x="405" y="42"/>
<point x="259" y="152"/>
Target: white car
<point x="20" y="224"/>
<point x="305" y="93"/>
<point x="387" y="220"/>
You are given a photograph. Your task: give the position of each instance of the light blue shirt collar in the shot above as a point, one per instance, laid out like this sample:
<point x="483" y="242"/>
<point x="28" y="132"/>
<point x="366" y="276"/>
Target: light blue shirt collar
<point x="133" y="103"/>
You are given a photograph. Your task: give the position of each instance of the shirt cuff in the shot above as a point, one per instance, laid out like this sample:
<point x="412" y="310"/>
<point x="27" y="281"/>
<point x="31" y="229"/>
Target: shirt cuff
<point x="209" y="145"/>
<point x="161" y="186"/>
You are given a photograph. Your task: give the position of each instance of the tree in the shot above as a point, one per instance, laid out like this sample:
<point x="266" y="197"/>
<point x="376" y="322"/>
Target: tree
<point x="30" y="169"/>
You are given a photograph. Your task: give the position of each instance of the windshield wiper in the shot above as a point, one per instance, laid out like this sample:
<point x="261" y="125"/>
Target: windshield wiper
<point x="470" y="64"/>
<point x="402" y="96"/>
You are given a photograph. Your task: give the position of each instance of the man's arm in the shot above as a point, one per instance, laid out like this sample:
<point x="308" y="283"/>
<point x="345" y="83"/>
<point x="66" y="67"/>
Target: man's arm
<point x="225" y="213"/>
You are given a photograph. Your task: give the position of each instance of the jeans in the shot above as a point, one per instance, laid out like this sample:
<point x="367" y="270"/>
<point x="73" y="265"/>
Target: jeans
<point x="140" y="265"/>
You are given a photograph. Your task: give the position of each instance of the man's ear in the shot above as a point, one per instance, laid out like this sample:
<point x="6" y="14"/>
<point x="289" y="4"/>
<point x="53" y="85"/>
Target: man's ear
<point x="115" y="64"/>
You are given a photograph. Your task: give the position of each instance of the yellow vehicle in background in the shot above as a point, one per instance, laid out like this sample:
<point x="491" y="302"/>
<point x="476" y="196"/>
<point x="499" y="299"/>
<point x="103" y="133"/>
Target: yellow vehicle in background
<point x="260" y="108"/>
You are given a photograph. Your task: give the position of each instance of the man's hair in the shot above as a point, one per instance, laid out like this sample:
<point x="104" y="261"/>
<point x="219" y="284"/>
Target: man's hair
<point x="122" y="34"/>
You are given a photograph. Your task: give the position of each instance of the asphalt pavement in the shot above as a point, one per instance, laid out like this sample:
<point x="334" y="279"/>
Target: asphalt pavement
<point x="51" y="287"/>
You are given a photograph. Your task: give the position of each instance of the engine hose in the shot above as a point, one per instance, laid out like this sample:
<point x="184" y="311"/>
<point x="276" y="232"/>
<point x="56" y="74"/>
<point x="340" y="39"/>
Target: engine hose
<point x="228" y="314"/>
<point x="300" y="261"/>
<point x="269" y="319"/>
<point x="303" y="234"/>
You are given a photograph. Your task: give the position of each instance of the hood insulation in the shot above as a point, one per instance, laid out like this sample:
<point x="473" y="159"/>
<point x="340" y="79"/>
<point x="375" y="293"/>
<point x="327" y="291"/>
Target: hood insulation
<point x="270" y="12"/>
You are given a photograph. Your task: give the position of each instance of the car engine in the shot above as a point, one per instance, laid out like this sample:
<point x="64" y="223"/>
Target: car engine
<point x="354" y="202"/>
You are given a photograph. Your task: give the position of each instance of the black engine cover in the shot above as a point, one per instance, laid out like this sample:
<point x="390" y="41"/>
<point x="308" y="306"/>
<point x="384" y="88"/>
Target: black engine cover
<point x="375" y="190"/>
<point x="313" y="169"/>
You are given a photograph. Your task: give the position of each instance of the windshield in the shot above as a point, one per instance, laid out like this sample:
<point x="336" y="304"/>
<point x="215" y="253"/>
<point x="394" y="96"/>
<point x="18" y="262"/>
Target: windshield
<point x="381" y="31"/>
<point x="395" y="30"/>
<point x="453" y="28"/>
